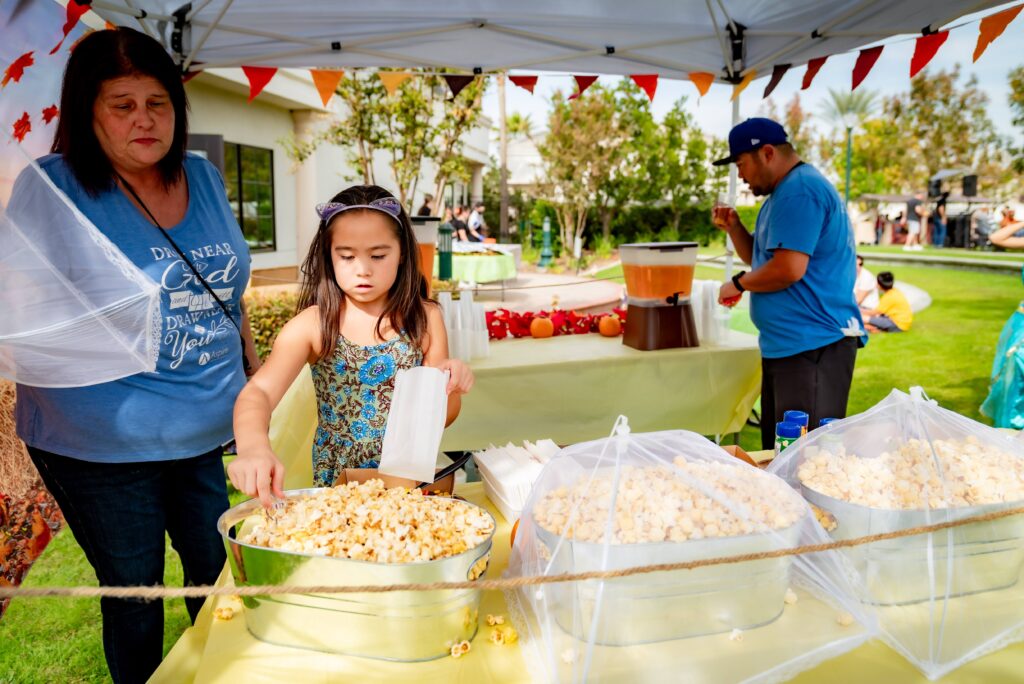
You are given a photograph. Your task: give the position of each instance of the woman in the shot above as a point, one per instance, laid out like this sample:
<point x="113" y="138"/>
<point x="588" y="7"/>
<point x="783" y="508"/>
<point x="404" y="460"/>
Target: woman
<point x="133" y="459"/>
<point x="1005" y="401"/>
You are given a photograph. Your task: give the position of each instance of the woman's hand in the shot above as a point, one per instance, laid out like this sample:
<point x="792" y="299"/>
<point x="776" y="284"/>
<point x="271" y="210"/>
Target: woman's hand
<point x="258" y="474"/>
<point x="460" y="378"/>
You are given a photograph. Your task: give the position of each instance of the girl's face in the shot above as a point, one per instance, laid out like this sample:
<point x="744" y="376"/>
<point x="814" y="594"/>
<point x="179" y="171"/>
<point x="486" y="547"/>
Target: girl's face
<point x="366" y="254"/>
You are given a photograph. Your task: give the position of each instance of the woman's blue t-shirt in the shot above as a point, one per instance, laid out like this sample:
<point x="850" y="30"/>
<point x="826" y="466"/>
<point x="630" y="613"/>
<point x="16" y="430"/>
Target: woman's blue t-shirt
<point x="805" y="214"/>
<point x="184" y="408"/>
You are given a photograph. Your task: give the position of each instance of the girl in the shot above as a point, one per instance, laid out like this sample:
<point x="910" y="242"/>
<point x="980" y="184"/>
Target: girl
<point x="363" y="315"/>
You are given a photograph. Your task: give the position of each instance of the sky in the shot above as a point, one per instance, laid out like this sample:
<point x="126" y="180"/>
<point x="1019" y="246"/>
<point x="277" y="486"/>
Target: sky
<point x="890" y="75"/>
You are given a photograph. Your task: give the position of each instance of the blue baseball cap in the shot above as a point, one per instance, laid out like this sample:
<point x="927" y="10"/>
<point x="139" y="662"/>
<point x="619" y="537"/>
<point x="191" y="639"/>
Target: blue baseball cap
<point x="752" y="134"/>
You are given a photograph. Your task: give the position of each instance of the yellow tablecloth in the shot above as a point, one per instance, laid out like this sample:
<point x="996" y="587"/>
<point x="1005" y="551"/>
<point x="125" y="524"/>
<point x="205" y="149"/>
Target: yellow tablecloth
<point x="571" y="389"/>
<point x="224" y="651"/>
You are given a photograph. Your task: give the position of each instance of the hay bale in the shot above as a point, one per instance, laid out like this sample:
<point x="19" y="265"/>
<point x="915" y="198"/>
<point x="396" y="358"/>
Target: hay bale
<point x="18" y="475"/>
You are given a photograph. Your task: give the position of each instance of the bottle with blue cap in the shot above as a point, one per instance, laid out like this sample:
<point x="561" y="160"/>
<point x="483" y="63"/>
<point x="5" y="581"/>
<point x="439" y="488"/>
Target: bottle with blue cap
<point x="825" y="421"/>
<point x="785" y="434"/>
<point x="799" y="417"/>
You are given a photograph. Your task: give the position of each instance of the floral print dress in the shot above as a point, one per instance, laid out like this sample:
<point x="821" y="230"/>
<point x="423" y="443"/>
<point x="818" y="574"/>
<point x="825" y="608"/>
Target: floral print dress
<point x="353" y="391"/>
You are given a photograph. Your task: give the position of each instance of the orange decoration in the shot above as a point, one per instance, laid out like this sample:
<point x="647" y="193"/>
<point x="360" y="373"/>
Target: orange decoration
<point x="702" y="80"/>
<point x="541" y="327"/>
<point x="326" y="80"/>
<point x="512" y="537"/>
<point x="992" y="27"/>
<point x="609" y="326"/>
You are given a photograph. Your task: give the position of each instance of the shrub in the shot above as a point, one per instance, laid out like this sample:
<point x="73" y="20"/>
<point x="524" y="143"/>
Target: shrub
<point x="268" y="312"/>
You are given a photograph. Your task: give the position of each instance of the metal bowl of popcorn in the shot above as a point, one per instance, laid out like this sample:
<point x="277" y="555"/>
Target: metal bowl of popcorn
<point x="678" y="604"/>
<point x="361" y="534"/>
<point x="901" y="489"/>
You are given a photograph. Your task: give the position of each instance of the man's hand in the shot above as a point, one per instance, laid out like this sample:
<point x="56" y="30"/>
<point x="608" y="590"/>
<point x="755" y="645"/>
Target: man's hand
<point x="725" y="217"/>
<point x="728" y="295"/>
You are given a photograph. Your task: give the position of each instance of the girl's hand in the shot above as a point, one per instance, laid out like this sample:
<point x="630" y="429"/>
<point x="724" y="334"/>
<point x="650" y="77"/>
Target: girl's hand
<point x="460" y="378"/>
<point x="258" y="474"/>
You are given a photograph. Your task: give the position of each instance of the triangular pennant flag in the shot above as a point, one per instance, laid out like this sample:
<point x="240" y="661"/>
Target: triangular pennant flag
<point x="702" y="80"/>
<point x="924" y="49"/>
<point x="777" y="73"/>
<point x="326" y="80"/>
<point x="457" y="83"/>
<point x="393" y="79"/>
<point x="258" y="77"/>
<point x="189" y="75"/>
<point x="647" y="82"/>
<point x="865" y="60"/>
<point x="17" y="68"/>
<point x="74" y="13"/>
<point x="992" y="27"/>
<point x="582" y="83"/>
<point x="742" y="85"/>
<point x="525" y="82"/>
<point x="813" y="67"/>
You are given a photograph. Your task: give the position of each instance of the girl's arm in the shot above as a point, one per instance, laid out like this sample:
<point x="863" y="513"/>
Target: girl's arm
<point x="257" y="471"/>
<point x="435" y="355"/>
<point x="1004" y="236"/>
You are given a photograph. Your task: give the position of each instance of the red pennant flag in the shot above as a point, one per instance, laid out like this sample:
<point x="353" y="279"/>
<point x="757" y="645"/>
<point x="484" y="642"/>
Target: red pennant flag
<point x="74" y="13"/>
<point x="326" y="80"/>
<point x="525" y="82"/>
<point x="702" y="80"/>
<point x="924" y="49"/>
<point x="777" y="73"/>
<point x="17" y="68"/>
<point x="188" y="76"/>
<point x="258" y="77"/>
<point x="865" y="61"/>
<point x="647" y="82"/>
<point x="992" y="27"/>
<point x="582" y="83"/>
<point x="22" y="127"/>
<point x="50" y="113"/>
<point x="457" y="83"/>
<point x="813" y="67"/>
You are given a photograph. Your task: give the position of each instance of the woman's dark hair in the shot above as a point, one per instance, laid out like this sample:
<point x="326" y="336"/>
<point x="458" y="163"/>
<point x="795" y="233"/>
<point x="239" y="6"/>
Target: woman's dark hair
<point x="102" y="56"/>
<point x="885" y="280"/>
<point x="405" y="308"/>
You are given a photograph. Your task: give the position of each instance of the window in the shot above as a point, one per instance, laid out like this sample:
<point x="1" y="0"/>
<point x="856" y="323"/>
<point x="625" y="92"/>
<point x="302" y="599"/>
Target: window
<point x="249" y="176"/>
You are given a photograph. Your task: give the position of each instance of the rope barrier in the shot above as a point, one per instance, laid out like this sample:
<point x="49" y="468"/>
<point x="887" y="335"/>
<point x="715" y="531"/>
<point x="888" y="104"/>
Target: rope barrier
<point x="157" y="592"/>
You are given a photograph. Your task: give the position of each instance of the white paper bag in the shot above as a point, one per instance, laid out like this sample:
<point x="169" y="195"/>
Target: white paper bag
<point x="415" y="424"/>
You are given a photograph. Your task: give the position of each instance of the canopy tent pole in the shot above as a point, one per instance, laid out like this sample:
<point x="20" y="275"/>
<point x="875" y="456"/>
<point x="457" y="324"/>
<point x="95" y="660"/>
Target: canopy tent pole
<point x="205" y="35"/>
<point x="733" y="181"/>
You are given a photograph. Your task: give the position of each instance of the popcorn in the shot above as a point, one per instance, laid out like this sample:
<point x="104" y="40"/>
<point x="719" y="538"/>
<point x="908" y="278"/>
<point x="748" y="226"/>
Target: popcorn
<point x="569" y="656"/>
<point x="224" y="613"/>
<point x="958" y="473"/>
<point x="844" y="619"/>
<point x="365" y="521"/>
<point x="790" y="598"/>
<point x="460" y="649"/>
<point x="660" y="503"/>
<point x="503" y="635"/>
<point x="736" y="635"/>
<point x="493" y="620"/>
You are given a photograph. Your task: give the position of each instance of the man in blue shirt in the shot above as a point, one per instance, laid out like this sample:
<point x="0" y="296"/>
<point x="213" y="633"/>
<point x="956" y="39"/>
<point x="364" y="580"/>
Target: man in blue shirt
<point x="801" y="283"/>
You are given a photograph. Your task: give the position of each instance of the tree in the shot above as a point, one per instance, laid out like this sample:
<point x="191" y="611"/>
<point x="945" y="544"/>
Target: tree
<point x="1016" y="98"/>
<point x="683" y="173"/>
<point x="458" y="116"/>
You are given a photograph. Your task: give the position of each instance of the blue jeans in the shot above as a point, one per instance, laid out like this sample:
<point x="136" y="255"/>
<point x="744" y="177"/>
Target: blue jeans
<point x="119" y="513"/>
<point x="939" y="233"/>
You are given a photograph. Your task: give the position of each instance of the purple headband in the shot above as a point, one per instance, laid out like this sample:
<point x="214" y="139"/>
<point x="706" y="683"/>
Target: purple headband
<point x="389" y="205"/>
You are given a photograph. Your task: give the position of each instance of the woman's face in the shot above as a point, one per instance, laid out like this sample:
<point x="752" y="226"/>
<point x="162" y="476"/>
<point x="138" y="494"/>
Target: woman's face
<point x="133" y="119"/>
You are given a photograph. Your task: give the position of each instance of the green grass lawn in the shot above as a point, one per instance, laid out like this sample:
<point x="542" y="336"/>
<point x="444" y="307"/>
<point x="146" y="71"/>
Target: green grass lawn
<point x="1014" y="257"/>
<point x="948" y="352"/>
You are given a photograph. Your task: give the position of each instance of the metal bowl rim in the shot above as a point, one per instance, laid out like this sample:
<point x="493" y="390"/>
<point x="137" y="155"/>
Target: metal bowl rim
<point x="921" y="511"/>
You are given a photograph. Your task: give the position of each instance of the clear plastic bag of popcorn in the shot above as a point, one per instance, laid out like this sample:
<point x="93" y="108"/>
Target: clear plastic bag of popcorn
<point x="636" y="500"/>
<point x="941" y="598"/>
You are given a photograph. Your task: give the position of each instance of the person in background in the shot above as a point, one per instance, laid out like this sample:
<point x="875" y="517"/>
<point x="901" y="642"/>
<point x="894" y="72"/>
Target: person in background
<point x="893" y="313"/>
<point x="428" y="206"/>
<point x="1008" y="217"/>
<point x="801" y="283"/>
<point x="459" y="224"/>
<point x="1005" y="401"/>
<point x="982" y="226"/>
<point x="865" y="289"/>
<point x="939" y="222"/>
<point x="914" y="221"/>
<point x="476" y="223"/>
<point x="135" y="460"/>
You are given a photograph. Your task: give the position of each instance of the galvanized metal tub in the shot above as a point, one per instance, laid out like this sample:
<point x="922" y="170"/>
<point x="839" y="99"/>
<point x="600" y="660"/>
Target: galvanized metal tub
<point x="403" y="626"/>
<point x="664" y="606"/>
<point x="963" y="560"/>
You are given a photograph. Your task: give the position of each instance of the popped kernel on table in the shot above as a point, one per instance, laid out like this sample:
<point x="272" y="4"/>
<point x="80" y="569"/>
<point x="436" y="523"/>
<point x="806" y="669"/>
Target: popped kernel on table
<point x="224" y="651"/>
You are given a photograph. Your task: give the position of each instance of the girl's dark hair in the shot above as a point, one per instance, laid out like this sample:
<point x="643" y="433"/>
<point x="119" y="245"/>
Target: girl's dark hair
<point x="102" y="56"/>
<point x="405" y="309"/>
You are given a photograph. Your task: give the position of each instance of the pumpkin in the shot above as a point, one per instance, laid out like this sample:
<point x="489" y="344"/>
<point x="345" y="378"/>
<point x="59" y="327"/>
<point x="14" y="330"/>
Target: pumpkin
<point x="609" y="326"/>
<point x="542" y="327"/>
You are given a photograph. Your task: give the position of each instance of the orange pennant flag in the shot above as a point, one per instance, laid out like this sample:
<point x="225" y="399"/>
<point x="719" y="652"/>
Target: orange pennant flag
<point x="742" y="85"/>
<point x="992" y="27"/>
<point x="258" y="77"/>
<point x="326" y="80"/>
<point x="393" y="79"/>
<point x="702" y="80"/>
